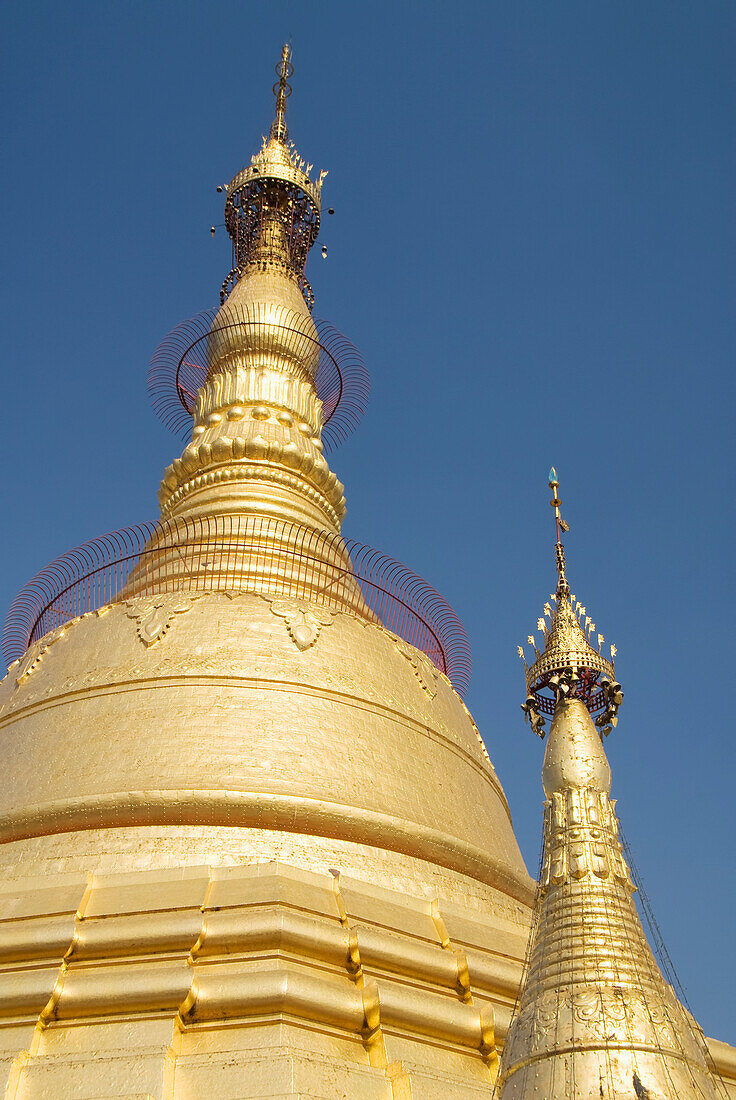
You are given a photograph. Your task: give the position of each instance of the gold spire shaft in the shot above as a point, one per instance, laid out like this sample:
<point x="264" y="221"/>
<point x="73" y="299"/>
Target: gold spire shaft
<point x="284" y="70"/>
<point x="563" y="588"/>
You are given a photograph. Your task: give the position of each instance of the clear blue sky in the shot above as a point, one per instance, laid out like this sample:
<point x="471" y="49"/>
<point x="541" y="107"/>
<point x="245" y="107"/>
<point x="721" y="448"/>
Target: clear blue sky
<point x="533" y="246"/>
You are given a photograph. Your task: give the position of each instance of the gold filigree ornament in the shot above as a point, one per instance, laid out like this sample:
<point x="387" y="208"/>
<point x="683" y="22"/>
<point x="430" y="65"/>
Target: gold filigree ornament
<point x="303" y="621"/>
<point x="587" y="1006"/>
<point x="156" y="614"/>
<point x="545" y="1012"/>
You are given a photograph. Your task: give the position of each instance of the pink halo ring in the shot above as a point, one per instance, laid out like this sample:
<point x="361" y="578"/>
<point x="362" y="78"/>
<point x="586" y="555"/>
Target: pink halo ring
<point x="179" y="367"/>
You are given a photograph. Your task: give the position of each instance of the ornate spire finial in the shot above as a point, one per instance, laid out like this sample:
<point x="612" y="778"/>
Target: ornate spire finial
<point x="282" y="91"/>
<point x="563" y="588"/>
<point x="272" y="208"/>
<point x="568" y="665"/>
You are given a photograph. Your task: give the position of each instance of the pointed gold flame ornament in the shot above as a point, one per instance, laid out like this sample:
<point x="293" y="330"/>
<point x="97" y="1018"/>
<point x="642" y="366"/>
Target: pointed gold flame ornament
<point x="595" y="1019"/>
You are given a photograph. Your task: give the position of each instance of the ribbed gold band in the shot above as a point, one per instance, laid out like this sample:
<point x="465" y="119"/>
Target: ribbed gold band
<point x="249" y="809"/>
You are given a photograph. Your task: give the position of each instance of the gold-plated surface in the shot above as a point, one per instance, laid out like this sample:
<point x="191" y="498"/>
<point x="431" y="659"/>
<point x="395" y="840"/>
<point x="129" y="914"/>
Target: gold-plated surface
<point x="161" y="745"/>
<point x="248" y="982"/>
<point x="242" y="706"/>
<point x="169" y="748"/>
<point x="256" y="449"/>
<point x="596" y="1019"/>
<point x="256" y="444"/>
<point x="233" y="553"/>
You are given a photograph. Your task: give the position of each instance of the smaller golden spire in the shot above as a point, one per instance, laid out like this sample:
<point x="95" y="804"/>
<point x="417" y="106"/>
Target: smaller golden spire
<point x="595" y="1017"/>
<point x="282" y="91"/>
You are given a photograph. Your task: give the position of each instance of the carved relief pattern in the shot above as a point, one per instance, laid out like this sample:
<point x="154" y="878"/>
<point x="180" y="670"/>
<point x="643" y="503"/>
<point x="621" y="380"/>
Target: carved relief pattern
<point x="624" y="1016"/>
<point x="543" y="1017"/>
<point x="581" y="838"/>
<point x="155" y="615"/>
<point x="303" y="621"/>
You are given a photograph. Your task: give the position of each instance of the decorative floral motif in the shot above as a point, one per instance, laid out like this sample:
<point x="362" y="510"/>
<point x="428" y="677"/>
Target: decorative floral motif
<point x="156" y="614"/>
<point x="545" y="1014"/>
<point x="303" y="621"/>
<point x="587" y="1006"/>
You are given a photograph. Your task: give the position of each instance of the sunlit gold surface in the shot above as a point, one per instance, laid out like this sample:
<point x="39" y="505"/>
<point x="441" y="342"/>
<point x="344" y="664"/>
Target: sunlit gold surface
<point x="249" y="982"/>
<point x="596" y="1018"/>
<point x="209" y="687"/>
<point x="202" y="738"/>
<point x="256" y="444"/>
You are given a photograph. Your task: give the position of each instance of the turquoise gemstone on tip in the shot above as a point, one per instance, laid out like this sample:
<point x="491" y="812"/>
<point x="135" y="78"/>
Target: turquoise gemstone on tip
<point x="552" y="476"/>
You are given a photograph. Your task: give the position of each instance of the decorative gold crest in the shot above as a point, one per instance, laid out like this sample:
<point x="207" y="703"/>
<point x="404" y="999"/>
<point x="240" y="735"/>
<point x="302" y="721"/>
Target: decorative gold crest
<point x="303" y="621"/>
<point x="156" y="614"/>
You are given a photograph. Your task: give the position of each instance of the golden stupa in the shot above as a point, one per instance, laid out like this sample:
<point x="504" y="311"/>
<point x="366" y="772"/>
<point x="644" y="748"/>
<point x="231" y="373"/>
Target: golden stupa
<point x="253" y="846"/>
<point x="596" y="1018"/>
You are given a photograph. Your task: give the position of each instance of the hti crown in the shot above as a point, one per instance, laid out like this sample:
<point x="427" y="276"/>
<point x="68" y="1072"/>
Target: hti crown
<point x="568" y="664"/>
